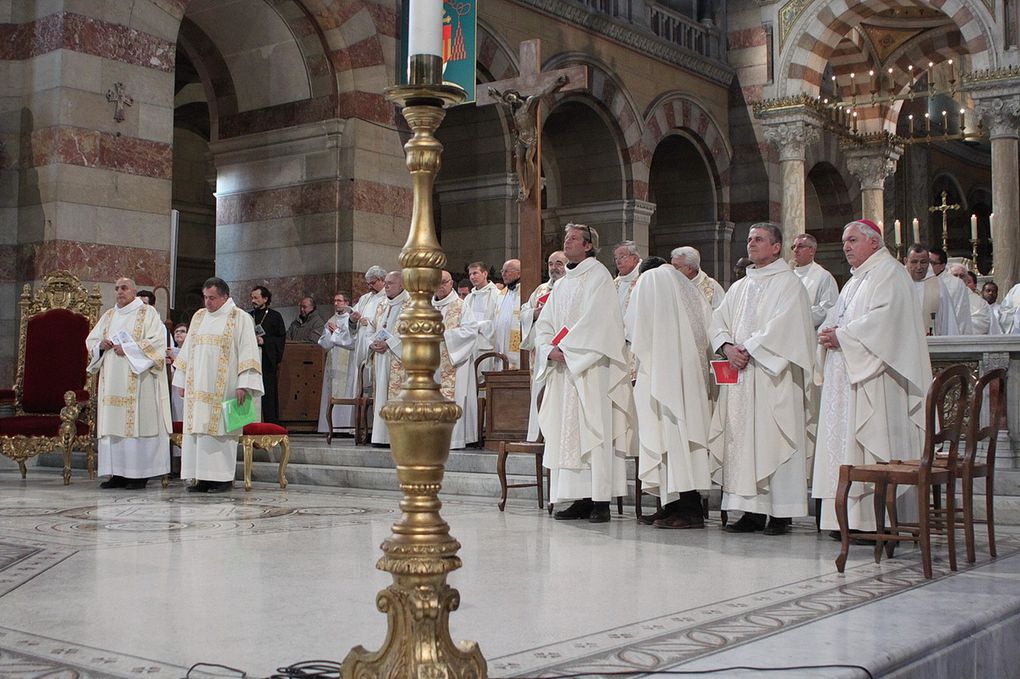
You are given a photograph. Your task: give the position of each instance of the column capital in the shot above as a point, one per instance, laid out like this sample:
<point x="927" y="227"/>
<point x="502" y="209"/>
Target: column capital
<point x="791" y="137"/>
<point x="871" y="165"/>
<point x="1000" y="113"/>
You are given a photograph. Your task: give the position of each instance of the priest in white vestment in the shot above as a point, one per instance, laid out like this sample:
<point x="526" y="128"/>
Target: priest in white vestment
<point x="628" y="263"/>
<point x="958" y="291"/>
<point x="990" y="294"/>
<point x="456" y="375"/>
<point x="362" y="328"/>
<point x="219" y="361"/>
<point x="388" y="364"/>
<point x="581" y="360"/>
<point x="483" y="303"/>
<point x="874" y="370"/>
<point x="687" y="260"/>
<point x="980" y="312"/>
<point x="820" y="285"/>
<point x="337" y="342"/>
<point x="667" y="324"/>
<point x="759" y="437"/>
<point x="127" y="347"/>
<point x="936" y="307"/>
<point x="530" y="311"/>
<point x="507" y="324"/>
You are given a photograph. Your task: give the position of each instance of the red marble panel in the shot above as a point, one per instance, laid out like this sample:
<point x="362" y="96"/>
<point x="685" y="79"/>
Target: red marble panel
<point x="79" y="33"/>
<point x="638" y="189"/>
<point x="369" y="106"/>
<point x="751" y="94"/>
<point x="362" y="54"/>
<point x="136" y="156"/>
<point x="9" y="37"/>
<point x="89" y="148"/>
<point x="257" y="206"/>
<point x="385" y="18"/>
<point x="94" y="261"/>
<point x="381" y="199"/>
<point x="318" y="65"/>
<point x="288" y="290"/>
<point x="278" y="117"/>
<point x="746" y="37"/>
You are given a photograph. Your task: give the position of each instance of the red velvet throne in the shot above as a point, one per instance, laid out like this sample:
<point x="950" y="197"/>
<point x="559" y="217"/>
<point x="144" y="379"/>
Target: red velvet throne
<point x="53" y="396"/>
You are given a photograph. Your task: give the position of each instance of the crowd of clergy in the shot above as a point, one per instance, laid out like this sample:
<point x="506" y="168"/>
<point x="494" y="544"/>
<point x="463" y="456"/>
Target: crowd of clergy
<point x="763" y="389"/>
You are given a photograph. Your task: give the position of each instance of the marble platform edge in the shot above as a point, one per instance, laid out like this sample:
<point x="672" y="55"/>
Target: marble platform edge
<point x="685" y="639"/>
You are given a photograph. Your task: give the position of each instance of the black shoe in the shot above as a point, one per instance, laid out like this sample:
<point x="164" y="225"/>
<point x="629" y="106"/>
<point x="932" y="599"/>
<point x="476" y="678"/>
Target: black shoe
<point x="778" y="526"/>
<point x="200" y="487"/>
<point x="599" y="513"/>
<point x="748" y="523"/>
<point x="681" y="520"/>
<point x="580" y="509"/>
<point x="114" y="482"/>
<point x="135" y="484"/>
<point x="220" y="487"/>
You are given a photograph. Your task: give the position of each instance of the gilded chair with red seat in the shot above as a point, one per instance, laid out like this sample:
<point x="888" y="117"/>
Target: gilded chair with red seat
<point x="53" y="396"/>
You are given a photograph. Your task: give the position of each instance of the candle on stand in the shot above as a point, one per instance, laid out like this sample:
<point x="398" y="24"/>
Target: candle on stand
<point x="991" y="226"/>
<point x="425" y="37"/>
<point x="927" y="124"/>
<point x="945" y="124"/>
<point x="973" y="227"/>
<point x="899" y="233"/>
<point x="917" y="230"/>
<point x="963" y="122"/>
<point x="910" y="119"/>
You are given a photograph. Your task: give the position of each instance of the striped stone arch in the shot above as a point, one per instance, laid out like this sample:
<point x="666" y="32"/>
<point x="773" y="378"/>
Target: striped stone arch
<point x="493" y="55"/>
<point x="817" y="33"/>
<point x="677" y="111"/>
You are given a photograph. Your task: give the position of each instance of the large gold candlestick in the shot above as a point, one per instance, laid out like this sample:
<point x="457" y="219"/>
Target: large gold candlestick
<point x="420" y="552"/>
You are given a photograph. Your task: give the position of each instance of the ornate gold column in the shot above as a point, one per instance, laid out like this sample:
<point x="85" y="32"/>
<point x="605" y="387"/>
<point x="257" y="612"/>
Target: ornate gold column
<point x="791" y="135"/>
<point x="1000" y="110"/>
<point x="871" y="164"/>
<point x="420" y="552"/>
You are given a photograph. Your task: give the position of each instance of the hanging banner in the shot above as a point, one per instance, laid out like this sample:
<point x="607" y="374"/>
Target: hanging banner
<point x="460" y="23"/>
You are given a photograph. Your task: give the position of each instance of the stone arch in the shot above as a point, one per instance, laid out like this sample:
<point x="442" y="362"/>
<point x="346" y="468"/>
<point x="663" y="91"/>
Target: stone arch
<point x="812" y="39"/>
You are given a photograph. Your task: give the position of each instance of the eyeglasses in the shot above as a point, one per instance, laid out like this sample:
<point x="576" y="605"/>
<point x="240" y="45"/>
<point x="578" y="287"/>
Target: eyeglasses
<point x="800" y="246"/>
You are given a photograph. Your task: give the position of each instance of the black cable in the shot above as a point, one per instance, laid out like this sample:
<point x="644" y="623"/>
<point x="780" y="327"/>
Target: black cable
<point x="242" y="673"/>
<point x="320" y="669"/>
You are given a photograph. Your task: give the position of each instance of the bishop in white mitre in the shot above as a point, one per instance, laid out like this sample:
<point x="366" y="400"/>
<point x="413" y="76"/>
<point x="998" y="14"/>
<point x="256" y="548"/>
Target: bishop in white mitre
<point x="874" y="371"/>
<point x="759" y="436"/>
<point x="361" y="324"/>
<point x="219" y="361"/>
<point x="667" y="325"/>
<point x="388" y="364"/>
<point x="337" y="342"/>
<point x="456" y="374"/>
<point x="127" y="347"/>
<point x="506" y="326"/>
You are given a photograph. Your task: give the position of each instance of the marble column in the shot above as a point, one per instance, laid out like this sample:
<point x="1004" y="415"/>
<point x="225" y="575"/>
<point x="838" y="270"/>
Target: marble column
<point x="1001" y="115"/>
<point x="791" y="139"/>
<point x="871" y="165"/>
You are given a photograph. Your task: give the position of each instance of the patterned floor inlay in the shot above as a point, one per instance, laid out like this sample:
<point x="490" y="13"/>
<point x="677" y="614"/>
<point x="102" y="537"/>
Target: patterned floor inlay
<point x="19" y="563"/>
<point x="668" y="641"/>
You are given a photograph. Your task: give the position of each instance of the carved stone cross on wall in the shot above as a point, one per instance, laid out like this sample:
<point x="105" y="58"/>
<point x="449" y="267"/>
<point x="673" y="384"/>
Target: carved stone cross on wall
<point x="120" y="99"/>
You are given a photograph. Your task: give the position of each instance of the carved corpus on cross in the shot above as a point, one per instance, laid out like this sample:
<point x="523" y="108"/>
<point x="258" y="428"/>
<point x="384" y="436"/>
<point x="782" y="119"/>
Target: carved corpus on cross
<point x="522" y="96"/>
<point x="119" y="98"/>
<point x="944" y="209"/>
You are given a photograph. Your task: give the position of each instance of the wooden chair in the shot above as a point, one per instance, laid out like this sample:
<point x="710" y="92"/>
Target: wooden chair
<point x="361" y="402"/>
<point x="54" y="398"/>
<point x="969" y="469"/>
<point x="480" y="388"/>
<point x="944" y="410"/>
<point x="536" y="448"/>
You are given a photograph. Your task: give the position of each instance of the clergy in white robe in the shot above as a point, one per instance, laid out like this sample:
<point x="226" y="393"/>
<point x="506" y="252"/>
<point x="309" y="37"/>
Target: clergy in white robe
<point x="980" y="313"/>
<point x="530" y="311"/>
<point x="935" y="304"/>
<point x="990" y="294"/>
<point x="820" y="285"/>
<point x="628" y="262"/>
<point x="958" y="291"/>
<point x="506" y="326"/>
<point x="337" y="342"/>
<point x="388" y="364"/>
<point x="763" y="328"/>
<point x="874" y="371"/>
<point x="687" y="260"/>
<point x="667" y="324"/>
<point x="483" y="302"/>
<point x="127" y="347"/>
<point x="218" y="362"/>
<point x="581" y="361"/>
<point x="456" y="375"/>
<point x="362" y="328"/>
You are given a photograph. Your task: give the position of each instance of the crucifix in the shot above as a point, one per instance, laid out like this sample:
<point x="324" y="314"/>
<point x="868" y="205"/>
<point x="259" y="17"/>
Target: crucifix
<point x="944" y="209"/>
<point x="119" y="99"/>
<point x="522" y="98"/>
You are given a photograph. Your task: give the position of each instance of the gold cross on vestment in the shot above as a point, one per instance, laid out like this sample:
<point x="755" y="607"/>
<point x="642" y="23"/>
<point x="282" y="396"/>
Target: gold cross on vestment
<point x="944" y="209"/>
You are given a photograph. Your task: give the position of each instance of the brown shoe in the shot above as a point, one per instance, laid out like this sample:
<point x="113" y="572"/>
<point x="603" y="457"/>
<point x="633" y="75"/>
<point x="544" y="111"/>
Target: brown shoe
<point x="680" y="521"/>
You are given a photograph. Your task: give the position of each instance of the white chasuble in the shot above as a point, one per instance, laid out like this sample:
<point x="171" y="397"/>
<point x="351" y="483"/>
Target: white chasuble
<point x="759" y="425"/>
<point x="528" y="344"/>
<point x="507" y="326"/>
<point x="483" y="303"/>
<point x="710" y="288"/>
<point x="822" y="290"/>
<point x="587" y="410"/>
<point x="133" y="415"/>
<point x="388" y="366"/>
<point x="456" y="374"/>
<point x="219" y="356"/>
<point x="338" y="345"/>
<point x="667" y="324"/>
<point x="362" y="333"/>
<point x="873" y="387"/>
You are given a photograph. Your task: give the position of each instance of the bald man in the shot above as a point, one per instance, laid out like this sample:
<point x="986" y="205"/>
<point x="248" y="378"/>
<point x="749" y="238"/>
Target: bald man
<point x="507" y="325"/>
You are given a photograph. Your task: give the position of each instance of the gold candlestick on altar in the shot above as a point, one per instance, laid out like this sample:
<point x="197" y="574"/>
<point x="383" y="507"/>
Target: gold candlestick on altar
<point x="944" y="209"/>
<point x="420" y="552"/>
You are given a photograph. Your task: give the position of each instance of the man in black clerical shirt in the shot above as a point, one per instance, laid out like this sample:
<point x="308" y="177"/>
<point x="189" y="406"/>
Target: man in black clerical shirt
<point x="271" y="335"/>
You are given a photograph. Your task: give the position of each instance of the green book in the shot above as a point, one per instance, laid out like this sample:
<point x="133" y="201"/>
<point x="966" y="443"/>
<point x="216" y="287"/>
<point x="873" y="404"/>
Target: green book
<point x="235" y="416"/>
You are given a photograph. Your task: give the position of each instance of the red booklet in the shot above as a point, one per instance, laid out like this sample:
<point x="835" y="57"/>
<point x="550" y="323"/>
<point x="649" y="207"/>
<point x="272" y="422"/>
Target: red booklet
<point x="559" y="336"/>
<point x="724" y="373"/>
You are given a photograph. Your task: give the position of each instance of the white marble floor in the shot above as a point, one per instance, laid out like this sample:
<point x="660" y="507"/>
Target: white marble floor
<point x="128" y="583"/>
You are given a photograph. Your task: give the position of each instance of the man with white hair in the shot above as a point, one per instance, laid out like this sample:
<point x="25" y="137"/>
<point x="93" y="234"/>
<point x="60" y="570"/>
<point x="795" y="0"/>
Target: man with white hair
<point x="687" y="261"/>
<point x="387" y="348"/>
<point x="956" y="288"/>
<point x="361" y="324"/>
<point x="530" y="311"/>
<point x="980" y="314"/>
<point x="874" y="370"/>
<point x="456" y="374"/>
<point x="628" y="261"/>
<point x="820" y="285"/>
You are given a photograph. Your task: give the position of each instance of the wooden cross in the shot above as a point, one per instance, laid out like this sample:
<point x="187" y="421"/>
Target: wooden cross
<point x="533" y="81"/>
<point x="944" y="209"/>
<point x="120" y="99"/>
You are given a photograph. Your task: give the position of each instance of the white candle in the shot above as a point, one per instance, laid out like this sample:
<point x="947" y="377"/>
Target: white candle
<point x="917" y="230"/>
<point x="991" y="225"/>
<point x="425" y="27"/>
<point x="899" y="232"/>
<point x="973" y="227"/>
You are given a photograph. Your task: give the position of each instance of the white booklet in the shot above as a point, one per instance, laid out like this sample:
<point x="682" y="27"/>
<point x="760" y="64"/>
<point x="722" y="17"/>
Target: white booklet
<point x="134" y="354"/>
